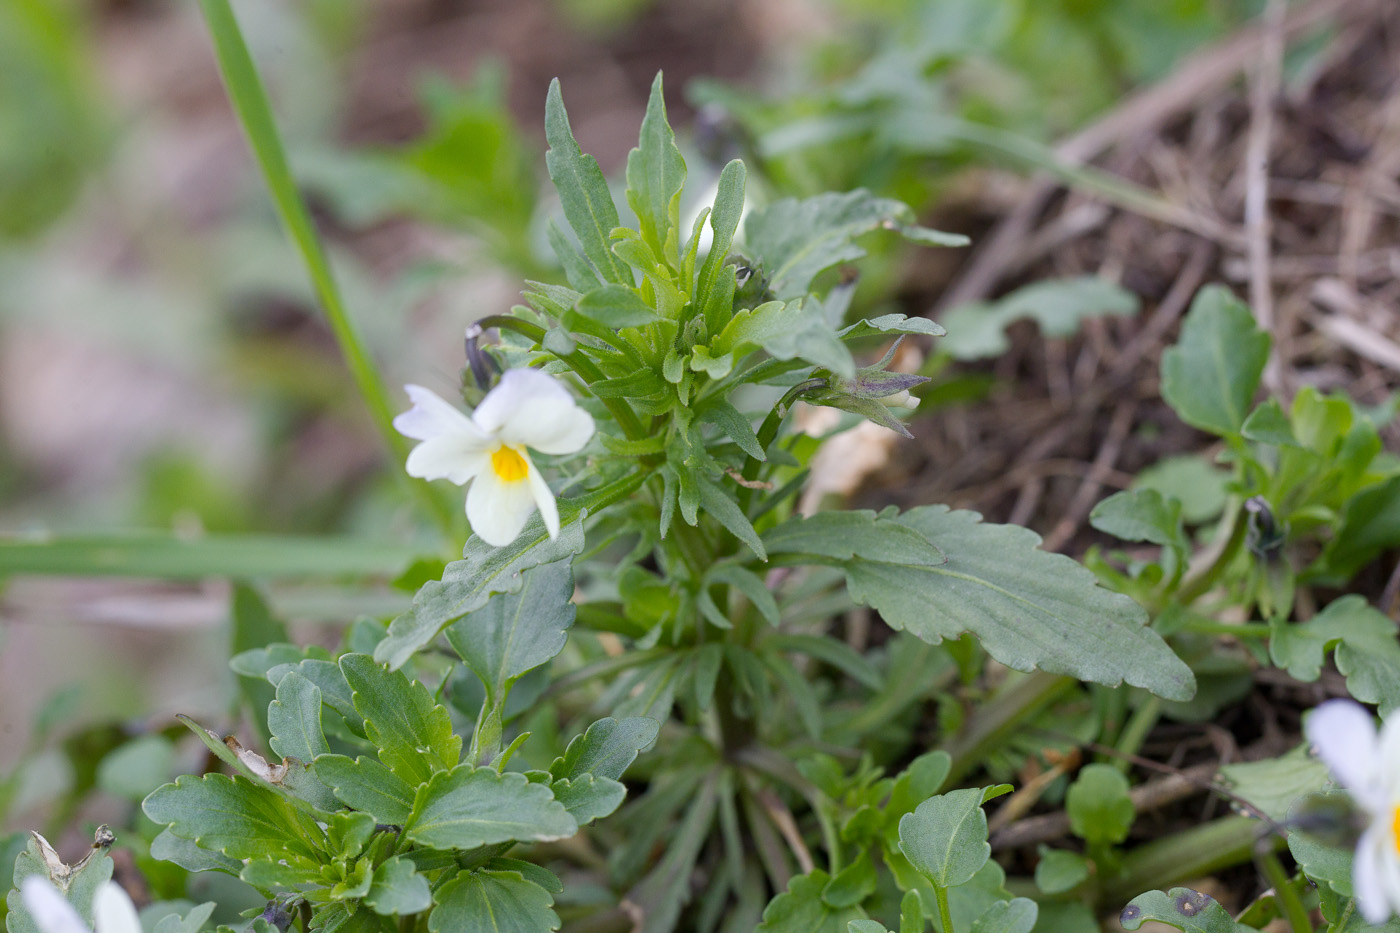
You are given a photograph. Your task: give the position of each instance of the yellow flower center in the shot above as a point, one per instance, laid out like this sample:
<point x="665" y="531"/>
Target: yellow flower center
<point x="1395" y="829"/>
<point x="510" y="467"/>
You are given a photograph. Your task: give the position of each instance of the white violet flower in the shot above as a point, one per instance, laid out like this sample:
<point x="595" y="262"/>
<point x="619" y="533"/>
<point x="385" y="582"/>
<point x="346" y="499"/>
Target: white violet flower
<point x="112" y="910"/>
<point x="1368" y="766"/>
<point x="526" y="409"/>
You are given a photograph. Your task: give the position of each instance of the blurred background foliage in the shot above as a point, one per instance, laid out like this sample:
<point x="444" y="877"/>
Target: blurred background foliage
<point x="162" y="362"/>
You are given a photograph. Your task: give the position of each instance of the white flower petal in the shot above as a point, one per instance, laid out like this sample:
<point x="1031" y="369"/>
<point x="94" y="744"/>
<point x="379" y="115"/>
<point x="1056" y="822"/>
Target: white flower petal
<point x="1345" y="738"/>
<point x="1368" y="875"/>
<point x="544" y="500"/>
<point x="1389" y="861"/>
<point x="113" y="910"/>
<point x="1388" y="761"/>
<point x="431" y="416"/>
<point x="457" y="457"/>
<point x="549" y="427"/>
<point x="498" y="509"/>
<point x="520" y="388"/>
<point x="50" y="910"/>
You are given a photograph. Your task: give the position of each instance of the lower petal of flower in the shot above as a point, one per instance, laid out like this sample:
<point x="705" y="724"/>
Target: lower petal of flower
<point x="498" y="509"/>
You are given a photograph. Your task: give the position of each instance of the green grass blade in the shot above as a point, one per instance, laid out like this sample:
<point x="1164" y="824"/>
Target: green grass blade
<point x="166" y="556"/>
<point x="250" y="102"/>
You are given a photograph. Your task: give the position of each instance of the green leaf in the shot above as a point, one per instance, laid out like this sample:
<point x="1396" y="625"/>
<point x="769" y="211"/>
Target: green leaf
<point x="655" y="902"/>
<point x="615" y="307"/>
<point x="78" y="883"/>
<point x="588" y="797"/>
<point x="606" y="749"/>
<point x="868" y="926"/>
<point x="467" y="584"/>
<point x="168" y="847"/>
<point x="1182" y="908"/>
<point x="141" y="554"/>
<point x="1014" y="916"/>
<point x="1273" y="785"/>
<point x="655" y="177"/>
<point x="795" y="240"/>
<point x="131" y="769"/>
<point x="398" y="889"/>
<point x="801" y="909"/>
<point x="236" y="817"/>
<point x="1363" y="644"/>
<point x="945" y="837"/>
<point x="469" y="807"/>
<point x="786" y="330"/>
<point x="252" y="627"/>
<point x="1059" y="871"/>
<point x="891" y="324"/>
<point x="328" y="678"/>
<point x="583" y="191"/>
<point x="1267" y="424"/>
<point x="977" y="331"/>
<point x="517" y="632"/>
<point x="191" y="922"/>
<point x="367" y="785"/>
<point x="735" y="426"/>
<point x="1200" y="486"/>
<point x="1209" y="377"/>
<point x="718" y="504"/>
<point x="413" y="734"/>
<point x="1142" y="515"/>
<point x="853" y="535"/>
<point x="1370" y="525"/>
<point x="714" y="288"/>
<point x="1028" y="608"/>
<point x="294" y="719"/>
<point x="751" y="585"/>
<point x="852" y="884"/>
<point x="492" y="902"/>
<point x="1098" y="805"/>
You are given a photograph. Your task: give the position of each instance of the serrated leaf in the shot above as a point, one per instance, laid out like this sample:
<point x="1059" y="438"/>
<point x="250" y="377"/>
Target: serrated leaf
<point x="891" y="324"/>
<point x="236" y="817"/>
<point x="786" y="330"/>
<point x="1363" y="644"/>
<point x="616" y="306"/>
<point x="367" y="785"/>
<point x="191" y="922"/>
<point x="977" y="331"/>
<point x="655" y="176"/>
<point x="517" y="632"/>
<point x="606" y="749"/>
<point x="588" y="797"/>
<point x="945" y="837"/>
<point x="335" y="691"/>
<point x="1028" y="608"/>
<point x="78" y="882"/>
<point x="1210" y="376"/>
<point x="294" y="719"/>
<point x="852" y="884"/>
<point x="1013" y="916"/>
<point x="469" y="807"/>
<point x="1142" y="515"/>
<point x="801" y="908"/>
<point x="413" y="734"/>
<point x="168" y="847"/>
<point x="1182" y="908"/>
<point x="796" y="240"/>
<point x="398" y="889"/>
<point x="467" y="584"/>
<point x="848" y="535"/>
<point x="1272" y="786"/>
<point x="583" y="191"/>
<point x="1098" y="805"/>
<point x="492" y="902"/>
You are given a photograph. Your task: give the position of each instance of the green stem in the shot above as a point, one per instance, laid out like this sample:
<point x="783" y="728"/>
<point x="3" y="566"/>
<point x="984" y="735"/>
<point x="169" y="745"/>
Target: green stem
<point x="1285" y="893"/>
<point x="579" y="362"/>
<point x="769" y="430"/>
<point x="1135" y="731"/>
<point x="1198" y="583"/>
<point x="944" y="915"/>
<point x="1237" y="629"/>
<point x="250" y="102"/>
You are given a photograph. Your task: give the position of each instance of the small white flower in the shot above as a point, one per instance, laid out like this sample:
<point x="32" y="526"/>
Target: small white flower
<point x="1368" y="766"/>
<point x="112" y="910"/>
<point x="526" y="409"/>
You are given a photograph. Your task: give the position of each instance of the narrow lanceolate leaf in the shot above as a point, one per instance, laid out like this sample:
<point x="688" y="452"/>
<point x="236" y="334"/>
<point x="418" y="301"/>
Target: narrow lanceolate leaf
<point x="414" y="735"/>
<point x="517" y="632"/>
<point x="234" y="816"/>
<point x="1182" y="908"/>
<point x="469" y="807"/>
<point x="493" y="902"/>
<point x="294" y="719"/>
<point x="367" y="785"/>
<point x="467" y="584"/>
<point x="946" y="837"/>
<point x="583" y="191"/>
<point x="1210" y="376"/>
<point x="655" y="176"/>
<point x="1028" y="608"/>
<point x="724" y="222"/>
<point x="794" y="241"/>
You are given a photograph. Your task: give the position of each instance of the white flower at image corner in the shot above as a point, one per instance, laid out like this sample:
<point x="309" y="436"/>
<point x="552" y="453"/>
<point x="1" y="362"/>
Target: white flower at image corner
<point x="1367" y="764"/>
<point x="527" y="410"/>
<point x="112" y="910"/>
